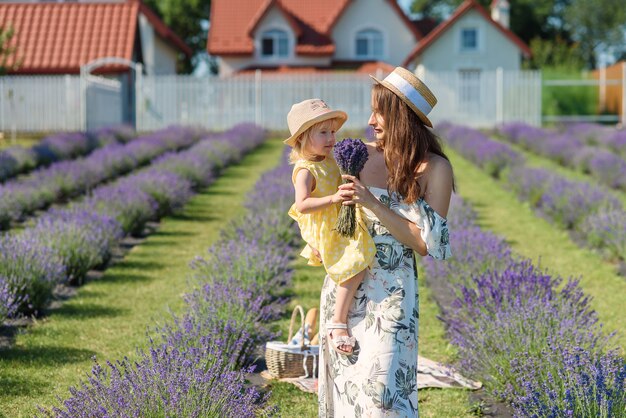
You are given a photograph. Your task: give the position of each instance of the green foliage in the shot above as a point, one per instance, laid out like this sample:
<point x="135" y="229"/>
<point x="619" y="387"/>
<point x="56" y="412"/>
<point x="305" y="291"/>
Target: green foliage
<point x="529" y="18"/>
<point x="596" y="23"/>
<point x="556" y="54"/>
<point x="188" y="20"/>
<point x="6" y="50"/>
<point x="567" y="100"/>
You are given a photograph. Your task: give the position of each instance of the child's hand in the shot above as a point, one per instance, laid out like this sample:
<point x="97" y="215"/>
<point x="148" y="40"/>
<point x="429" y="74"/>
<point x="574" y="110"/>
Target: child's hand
<point x="337" y="197"/>
<point x="316" y="253"/>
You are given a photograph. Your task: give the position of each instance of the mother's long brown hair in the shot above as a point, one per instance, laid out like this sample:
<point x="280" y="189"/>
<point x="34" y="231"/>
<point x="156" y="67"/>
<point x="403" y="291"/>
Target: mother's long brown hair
<point x="406" y="144"/>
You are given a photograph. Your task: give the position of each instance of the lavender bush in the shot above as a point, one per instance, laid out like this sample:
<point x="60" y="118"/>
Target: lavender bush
<point x="9" y="300"/>
<point x="245" y="261"/>
<point x="606" y="230"/>
<point x="126" y="203"/>
<point x="169" y="191"/>
<point x="165" y="382"/>
<point x="567" y="202"/>
<point x="83" y="239"/>
<point x="32" y="271"/>
<point x="502" y="313"/>
<point x="16" y="160"/>
<point x="569" y="381"/>
<point x="579" y="147"/>
<point x="493" y="156"/>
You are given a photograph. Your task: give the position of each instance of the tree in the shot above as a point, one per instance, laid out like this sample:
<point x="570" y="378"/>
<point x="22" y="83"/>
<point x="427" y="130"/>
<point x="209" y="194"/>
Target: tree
<point x="555" y="53"/>
<point x="529" y="18"/>
<point x="594" y="24"/>
<point x="188" y="19"/>
<point x="6" y="50"/>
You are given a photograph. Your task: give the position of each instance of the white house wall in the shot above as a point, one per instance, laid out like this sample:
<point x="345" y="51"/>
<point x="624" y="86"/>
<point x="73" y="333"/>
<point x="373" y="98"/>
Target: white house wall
<point x="164" y="58"/>
<point x="398" y="39"/>
<point x="494" y="48"/>
<point x="159" y="58"/>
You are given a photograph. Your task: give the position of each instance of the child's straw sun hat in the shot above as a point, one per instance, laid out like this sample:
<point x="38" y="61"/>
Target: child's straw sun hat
<point x="307" y="113"/>
<point x="412" y="91"/>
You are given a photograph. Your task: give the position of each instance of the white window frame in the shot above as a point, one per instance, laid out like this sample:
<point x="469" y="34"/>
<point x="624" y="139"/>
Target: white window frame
<point x="275" y="35"/>
<point x="370" y="36"/>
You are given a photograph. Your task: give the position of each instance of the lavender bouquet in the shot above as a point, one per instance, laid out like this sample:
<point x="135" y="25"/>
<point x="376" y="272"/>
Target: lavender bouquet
<point x="351" y="155"/>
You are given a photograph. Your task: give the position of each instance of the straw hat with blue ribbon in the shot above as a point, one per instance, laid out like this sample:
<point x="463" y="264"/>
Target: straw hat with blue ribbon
<point x="412" y="91"/>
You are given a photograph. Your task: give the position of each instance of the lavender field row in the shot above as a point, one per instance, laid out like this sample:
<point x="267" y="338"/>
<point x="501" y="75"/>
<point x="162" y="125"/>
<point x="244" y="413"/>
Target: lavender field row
<point x="197" y="362"/>
<point x="65" y="244"/>
<point x="530" y="337"/>
<point x="58" y="147"/>
<point x="67" y="179"/>
<point x="593" y="215"/>
<point x="591" y="149"/>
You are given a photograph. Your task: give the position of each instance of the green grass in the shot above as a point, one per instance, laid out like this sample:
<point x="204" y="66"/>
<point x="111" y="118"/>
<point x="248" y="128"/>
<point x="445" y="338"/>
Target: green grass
<point x="21" y="141"/>
<point x="109" y="318"/>
<point x="567" y="100"/>
<point x="543" y="243"/>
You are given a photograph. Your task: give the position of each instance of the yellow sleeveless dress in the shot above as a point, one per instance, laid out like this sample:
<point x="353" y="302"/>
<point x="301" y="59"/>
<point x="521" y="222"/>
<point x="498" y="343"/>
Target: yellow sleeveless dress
<point x="342" y="257"/>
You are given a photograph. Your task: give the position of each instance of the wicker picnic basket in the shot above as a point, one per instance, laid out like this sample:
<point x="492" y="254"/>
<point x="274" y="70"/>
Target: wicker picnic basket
<point x="291" y="360"/>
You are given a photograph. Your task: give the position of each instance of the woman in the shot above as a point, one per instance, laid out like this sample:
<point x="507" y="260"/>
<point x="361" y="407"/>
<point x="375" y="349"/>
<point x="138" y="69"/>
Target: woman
<point x="404" y="190"/>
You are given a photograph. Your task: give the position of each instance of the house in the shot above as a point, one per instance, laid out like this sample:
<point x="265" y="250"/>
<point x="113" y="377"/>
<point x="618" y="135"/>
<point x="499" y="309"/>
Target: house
<point x="297" y="36"/>
<point x="320" y="35"/>
<point x="470" y="41"/>
<point x="60" y="37"/>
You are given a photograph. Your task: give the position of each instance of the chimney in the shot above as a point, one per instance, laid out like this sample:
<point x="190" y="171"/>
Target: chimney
<point x="500" y="12"/>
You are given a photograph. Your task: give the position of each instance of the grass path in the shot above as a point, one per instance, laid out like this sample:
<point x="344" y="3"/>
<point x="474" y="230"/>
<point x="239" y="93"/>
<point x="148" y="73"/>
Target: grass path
<point x="109" y="318"/>
<point x="546" y="244"/>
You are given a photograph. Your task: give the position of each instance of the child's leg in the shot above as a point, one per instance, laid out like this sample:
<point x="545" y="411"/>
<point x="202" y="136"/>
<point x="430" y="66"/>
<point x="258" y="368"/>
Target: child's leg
<point x="344" y="296"/>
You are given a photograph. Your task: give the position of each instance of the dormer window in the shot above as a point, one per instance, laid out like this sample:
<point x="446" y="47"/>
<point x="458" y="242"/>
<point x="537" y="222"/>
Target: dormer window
<point x="469" y="39"/>
<point x="369" y="44"/>
<point x="274" y="44"/>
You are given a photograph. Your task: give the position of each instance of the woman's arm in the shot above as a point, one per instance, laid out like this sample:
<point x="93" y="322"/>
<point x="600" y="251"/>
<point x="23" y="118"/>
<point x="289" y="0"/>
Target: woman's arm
<point x="304" y="185"/>
<point x="438" y="183"/>
<point x="401" y="228"/>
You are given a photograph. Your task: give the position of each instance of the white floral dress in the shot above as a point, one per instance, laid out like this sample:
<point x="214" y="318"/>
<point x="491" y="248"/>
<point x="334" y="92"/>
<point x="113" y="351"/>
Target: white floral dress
<point x="379" y="379"/>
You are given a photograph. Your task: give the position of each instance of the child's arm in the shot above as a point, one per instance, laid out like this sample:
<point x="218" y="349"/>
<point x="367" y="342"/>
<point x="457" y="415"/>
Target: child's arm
<point x="304" y="185"/>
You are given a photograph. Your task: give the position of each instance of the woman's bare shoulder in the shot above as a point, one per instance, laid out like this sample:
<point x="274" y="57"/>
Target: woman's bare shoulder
<point x="438" y="165"/>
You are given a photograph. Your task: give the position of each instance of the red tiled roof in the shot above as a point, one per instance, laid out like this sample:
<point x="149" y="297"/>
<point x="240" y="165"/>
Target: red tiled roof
<point x="466" y="6"/>
<point x="425" y="25"/>
<point x="57" y="38"/>
<point x="370" y="67"/>
<point x="233" y="23"/>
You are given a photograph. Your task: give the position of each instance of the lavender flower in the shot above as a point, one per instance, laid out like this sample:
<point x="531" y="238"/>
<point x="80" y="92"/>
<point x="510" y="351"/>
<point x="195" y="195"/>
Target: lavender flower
<point x="9" y="300"/>
<point x="351" y="155"/>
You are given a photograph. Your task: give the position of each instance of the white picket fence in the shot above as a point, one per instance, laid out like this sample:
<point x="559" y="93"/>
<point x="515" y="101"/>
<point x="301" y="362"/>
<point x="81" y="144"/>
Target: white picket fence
<point x="54" y="103"/>
<point x="39" y="104"/>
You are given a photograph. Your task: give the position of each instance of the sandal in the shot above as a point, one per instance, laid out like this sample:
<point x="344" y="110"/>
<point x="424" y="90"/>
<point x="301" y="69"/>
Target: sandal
<point x="343" y="340"/>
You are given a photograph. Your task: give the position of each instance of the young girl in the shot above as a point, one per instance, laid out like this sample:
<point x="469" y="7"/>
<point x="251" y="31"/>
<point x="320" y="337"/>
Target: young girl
<point x="316" y="178"/>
